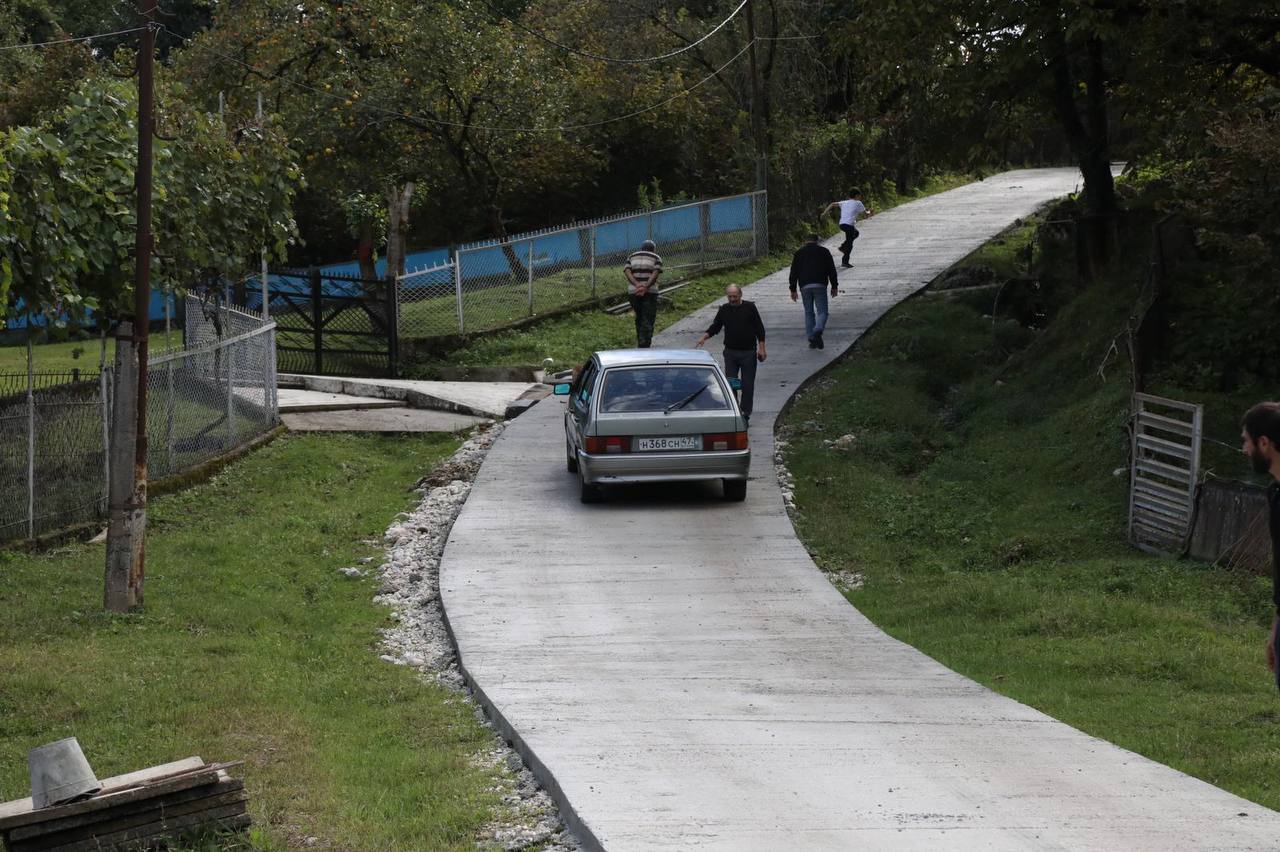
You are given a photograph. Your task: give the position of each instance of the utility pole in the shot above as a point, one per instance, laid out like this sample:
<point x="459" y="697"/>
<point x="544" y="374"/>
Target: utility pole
<point x="757" y="104"/>
<point x="127" y="524"/>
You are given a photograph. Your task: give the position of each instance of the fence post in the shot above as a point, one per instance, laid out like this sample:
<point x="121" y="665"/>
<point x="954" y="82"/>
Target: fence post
<point x="593" y="261"/>
<point x="704" y="232"/>
<point x="317" y="317"/>
<point x="393" y="333"/>
<point x="649" y="222"/>
<point x="227" y="357"/>
<point x="31" y="438"/>
<point x="104" y="389"/>
<point x="530" y="267"/>
<point x="168" y="374"/>
<point x="755" y="228"/>
<point x="457" y="289"/>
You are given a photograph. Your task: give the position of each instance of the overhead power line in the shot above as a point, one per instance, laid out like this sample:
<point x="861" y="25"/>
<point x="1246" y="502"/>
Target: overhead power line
<point x="615" y="59"/>
<point x="70" y="39"/>
<point x="393" y="113"/>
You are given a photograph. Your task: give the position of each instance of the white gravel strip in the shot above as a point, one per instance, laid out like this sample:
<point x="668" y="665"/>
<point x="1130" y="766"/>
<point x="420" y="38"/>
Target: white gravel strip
<point x="527" y="817"/>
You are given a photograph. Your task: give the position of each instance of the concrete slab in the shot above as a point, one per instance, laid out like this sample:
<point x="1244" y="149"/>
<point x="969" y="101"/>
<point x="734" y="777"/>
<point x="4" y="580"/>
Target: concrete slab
<point x="401" y="419"/>
<point x="481" y="399"/>
<point x="682" y="677"/>
<point x="297" y="400"/>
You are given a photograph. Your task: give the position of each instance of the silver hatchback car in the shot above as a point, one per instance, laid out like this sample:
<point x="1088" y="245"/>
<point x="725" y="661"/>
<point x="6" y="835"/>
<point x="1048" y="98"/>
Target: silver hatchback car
<point x="654" y="415"/>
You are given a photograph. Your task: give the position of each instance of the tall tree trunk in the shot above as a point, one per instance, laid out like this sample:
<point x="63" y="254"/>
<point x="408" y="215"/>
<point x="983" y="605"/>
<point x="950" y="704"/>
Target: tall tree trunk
<point x="519" y="271"/>
<point x="397" y="228"/>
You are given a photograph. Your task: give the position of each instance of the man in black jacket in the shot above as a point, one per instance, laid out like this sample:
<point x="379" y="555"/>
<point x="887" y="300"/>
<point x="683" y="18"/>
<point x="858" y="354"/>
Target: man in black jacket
<point x="1260" y="441"/>
<point x="812" y="268"/>
<point x="743" y="342"/>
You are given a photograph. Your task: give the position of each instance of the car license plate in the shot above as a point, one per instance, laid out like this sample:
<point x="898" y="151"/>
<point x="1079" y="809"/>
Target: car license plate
<point x="669" y="442"/>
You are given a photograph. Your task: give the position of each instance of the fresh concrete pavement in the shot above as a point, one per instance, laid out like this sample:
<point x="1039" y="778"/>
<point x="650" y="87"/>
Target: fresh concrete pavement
<point x="681" y="676"/>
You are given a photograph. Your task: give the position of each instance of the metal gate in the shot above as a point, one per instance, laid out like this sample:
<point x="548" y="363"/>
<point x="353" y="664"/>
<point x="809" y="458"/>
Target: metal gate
<point x="334" y="325"/>
<point x="1166" y="466"/>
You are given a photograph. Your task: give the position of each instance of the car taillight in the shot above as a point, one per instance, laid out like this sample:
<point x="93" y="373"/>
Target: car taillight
<point x="609" y="444"/>
<point x="724" y="441"/>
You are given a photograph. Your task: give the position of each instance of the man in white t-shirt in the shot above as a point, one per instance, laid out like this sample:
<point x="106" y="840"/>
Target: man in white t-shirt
<point x="851" y="209"/>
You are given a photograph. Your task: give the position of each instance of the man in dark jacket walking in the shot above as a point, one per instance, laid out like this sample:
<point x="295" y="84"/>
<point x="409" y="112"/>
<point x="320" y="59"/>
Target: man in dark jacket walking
<point x="812" y="268"/>
<point x="743" y="342"/>
<point x="1260" y="442"/>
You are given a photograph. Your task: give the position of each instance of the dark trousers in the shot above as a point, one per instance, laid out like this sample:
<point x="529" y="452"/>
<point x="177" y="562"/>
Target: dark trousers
<point x="646" y="311"/>
<point x="850" y="234"/>
<point x="742" y="361"/>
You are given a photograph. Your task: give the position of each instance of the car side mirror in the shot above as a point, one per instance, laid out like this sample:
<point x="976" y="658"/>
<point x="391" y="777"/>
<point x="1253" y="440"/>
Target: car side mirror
<point x="561" y="389"/>
<point x="735" y="384"/>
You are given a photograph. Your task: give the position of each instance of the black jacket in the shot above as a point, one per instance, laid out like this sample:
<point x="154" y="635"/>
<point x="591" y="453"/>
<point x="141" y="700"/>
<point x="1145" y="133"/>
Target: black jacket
<point x="812" y="264"/>
<point x="741" y="323"/>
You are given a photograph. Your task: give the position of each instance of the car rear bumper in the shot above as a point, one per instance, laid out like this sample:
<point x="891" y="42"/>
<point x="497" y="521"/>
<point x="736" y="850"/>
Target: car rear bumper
<point x="664" y="467"/>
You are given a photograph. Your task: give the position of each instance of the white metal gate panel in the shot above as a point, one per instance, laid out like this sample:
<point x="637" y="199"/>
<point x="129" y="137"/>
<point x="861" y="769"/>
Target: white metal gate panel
<point x="1166" y="468"/>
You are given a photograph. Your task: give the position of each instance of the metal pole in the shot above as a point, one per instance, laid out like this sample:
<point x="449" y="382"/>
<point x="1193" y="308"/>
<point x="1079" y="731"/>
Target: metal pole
<point x="755" y="227"/>
<point x="126" y="558"/>
<point x="104" y="386"/>
<point x="593" y="261"/>
<point x="266" y="305"/>
<point x="457" y="288"/>
<point x="317" y="319"/>
<point x="31" y="437"/>
<point x="168" y="382"/>
<point x="530" y="267"/>
<point x="231" y="394"/>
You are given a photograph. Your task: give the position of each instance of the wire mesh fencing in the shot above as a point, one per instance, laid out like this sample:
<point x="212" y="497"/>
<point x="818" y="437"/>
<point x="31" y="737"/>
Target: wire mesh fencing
<point x="492" y="284"/>
<point x="210" y="397"/>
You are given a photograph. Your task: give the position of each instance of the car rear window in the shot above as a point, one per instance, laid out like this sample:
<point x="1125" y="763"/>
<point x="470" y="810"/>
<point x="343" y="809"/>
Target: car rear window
<point x="658" y="388"/>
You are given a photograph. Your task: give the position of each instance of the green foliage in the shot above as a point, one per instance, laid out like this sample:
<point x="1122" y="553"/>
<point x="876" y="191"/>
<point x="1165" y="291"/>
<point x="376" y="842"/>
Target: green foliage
<point x="219" y="198"/>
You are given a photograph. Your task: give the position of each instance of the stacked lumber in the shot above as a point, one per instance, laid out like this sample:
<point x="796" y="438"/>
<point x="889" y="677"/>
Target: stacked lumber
<point x="141" y="810"/>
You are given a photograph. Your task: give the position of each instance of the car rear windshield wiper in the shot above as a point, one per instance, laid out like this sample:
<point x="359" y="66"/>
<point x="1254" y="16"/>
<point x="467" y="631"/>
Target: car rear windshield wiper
<point x="688" y="399"/>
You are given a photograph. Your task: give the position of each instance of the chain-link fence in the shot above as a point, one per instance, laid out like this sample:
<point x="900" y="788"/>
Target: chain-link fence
<point x="491" y="284"/>
<point x="212" y="396"/>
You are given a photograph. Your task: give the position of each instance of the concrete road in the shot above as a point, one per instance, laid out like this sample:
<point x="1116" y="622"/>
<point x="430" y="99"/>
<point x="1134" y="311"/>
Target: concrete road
<point x="681" y="676"/>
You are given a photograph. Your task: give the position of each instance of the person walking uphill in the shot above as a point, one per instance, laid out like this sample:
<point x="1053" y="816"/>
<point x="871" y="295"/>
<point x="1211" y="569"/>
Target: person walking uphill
<point x="642" y="271"/>
<point x="850" y="209"/>
<point x="743" y="342"/>
<point x="1260" y="442"/>
<point x="812" y="268"/>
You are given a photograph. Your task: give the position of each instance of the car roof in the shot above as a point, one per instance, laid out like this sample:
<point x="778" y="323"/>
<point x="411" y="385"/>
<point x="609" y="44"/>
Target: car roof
<point x="645" y="357"/>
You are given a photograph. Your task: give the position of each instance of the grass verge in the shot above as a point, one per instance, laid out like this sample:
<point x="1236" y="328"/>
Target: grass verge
<point x="252" y="646"/>
<point x="977" y="507"/>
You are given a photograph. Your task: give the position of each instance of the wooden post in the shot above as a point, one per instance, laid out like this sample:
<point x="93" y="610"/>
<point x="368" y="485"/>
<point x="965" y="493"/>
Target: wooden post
<point x="126" y="530"/>
<point x="124" y="545"/>
<point x="457" y="289"/>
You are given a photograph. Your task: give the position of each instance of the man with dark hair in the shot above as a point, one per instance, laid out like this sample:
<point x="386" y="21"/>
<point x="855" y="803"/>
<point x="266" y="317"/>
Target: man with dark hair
<point x="812" y="268"/>
<point x="850" y="209"/>
<point x="642" y="271"/>
<point x="1260" y="442"/>
<point x="743" y="342"/>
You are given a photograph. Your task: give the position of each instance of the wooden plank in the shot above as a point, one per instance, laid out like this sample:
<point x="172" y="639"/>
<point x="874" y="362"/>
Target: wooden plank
<point x="24" y="806"/>
<point x="225" y="785"/>
<point x="148" y="835"/>
<point x="117" y="794"/>
<point x="112" y="823"/>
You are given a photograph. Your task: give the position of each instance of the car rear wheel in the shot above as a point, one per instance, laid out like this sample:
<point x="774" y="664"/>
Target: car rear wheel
<point x="589" y="492"/>
<point x="735" y="489"/>
<point x="570" y="458"/>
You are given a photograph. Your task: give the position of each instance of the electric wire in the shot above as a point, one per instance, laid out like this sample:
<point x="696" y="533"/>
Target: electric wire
<point x="412" y="117"/>
<point x="614" y="59"/>
<point x="70" y="39"/>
